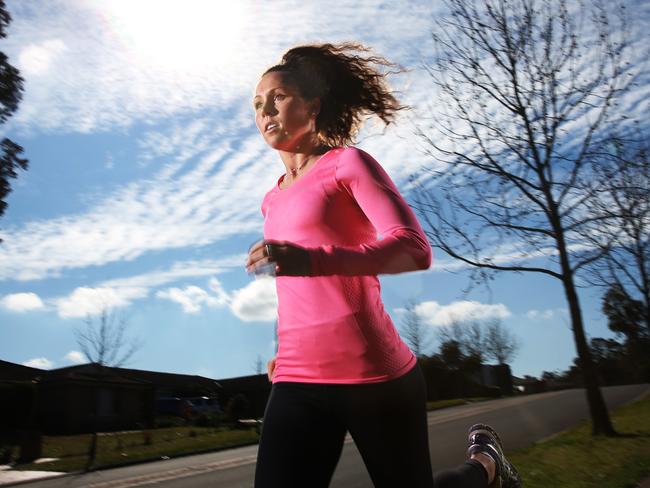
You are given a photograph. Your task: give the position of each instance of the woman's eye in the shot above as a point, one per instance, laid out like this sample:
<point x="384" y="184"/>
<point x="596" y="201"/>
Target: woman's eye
<point x="278" y="97"/>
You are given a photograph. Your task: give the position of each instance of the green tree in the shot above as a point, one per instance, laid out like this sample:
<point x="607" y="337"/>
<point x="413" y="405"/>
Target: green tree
<point x="11" y="90"/>
<point x="626" y="317"/>
<point x="468" y="334"/>
<point x="451" y="355"/>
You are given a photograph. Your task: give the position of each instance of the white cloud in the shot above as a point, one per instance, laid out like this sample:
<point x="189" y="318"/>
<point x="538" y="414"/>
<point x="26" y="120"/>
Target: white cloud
<point x="222" y="297"/>
<point x="540" y="314"/>
<point x="75" y="357"/>
<point x="547" y="314"/>
<point x="193" y="298"/>
<point x="121" y="292"/>
<point x="255" y="302"/>
<point x="178" y="271"/>
<point x="192" y="209"/>
<point x="258" y="301"/>
<point x="40" y="363"/>
<point x="112" y="69"/>
<point x="21" y="302"/>
<point x="85" y="301"/>
<point x="120" y="63"/>
<point x="178" y="208"/>
<point x="36" y="59"/>
<point x="436" y="314"/>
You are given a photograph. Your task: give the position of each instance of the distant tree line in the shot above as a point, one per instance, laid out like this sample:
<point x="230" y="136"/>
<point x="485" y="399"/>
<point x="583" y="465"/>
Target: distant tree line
<point x="468" y="339"/>
<point x="454" y="369"/>
<point x="624" y="359"/>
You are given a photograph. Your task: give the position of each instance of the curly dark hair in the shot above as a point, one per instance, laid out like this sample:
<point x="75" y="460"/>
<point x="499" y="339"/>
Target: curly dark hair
<point x="347" y="84"/>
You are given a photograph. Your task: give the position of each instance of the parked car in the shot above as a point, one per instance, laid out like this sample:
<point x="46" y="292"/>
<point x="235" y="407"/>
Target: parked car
<point x="178" y="407"/>
<point x="204" y="404"/>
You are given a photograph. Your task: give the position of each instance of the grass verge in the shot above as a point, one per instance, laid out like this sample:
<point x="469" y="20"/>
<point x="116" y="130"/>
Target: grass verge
<point x="576" y="459"/>
<point x="126" y="447"/>
<point x="438" y="404"/>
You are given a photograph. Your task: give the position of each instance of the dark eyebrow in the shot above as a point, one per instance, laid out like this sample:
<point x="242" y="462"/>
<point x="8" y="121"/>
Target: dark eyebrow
<point x="272" y="89"/>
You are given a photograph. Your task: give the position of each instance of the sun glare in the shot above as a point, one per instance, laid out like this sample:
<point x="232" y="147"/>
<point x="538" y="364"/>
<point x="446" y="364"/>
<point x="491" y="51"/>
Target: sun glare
<point x="173" y="34"/>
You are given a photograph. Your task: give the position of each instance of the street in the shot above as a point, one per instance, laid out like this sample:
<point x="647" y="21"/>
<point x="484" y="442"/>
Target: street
<point x="520" y="421"/>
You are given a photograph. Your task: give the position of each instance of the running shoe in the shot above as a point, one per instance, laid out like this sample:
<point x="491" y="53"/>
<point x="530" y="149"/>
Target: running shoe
<point x="482" y="438"/>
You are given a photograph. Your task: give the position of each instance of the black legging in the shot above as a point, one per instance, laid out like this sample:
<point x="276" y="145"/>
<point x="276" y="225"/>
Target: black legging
<point x="305" y="425"/>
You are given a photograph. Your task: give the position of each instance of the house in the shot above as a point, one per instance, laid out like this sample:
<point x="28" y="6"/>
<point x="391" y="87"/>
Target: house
<point x="91" y="398"/>
<point x="88" y="397"/>
<point x="17" y="397"/>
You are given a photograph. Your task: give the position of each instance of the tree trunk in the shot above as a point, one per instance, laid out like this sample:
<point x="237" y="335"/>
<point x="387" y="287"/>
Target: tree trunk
<point x="601" y="424"/>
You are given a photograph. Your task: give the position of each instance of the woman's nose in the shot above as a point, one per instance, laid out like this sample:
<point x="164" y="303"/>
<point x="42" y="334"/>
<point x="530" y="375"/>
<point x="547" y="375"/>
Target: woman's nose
<point x="268" y="108"/>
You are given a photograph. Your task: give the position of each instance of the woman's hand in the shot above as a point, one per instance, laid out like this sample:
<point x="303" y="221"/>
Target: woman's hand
<point x="290" y="260"/>
<point x="270" y="367"/>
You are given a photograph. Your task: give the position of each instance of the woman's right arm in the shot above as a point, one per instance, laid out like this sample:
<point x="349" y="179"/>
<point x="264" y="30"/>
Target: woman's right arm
<point x="270" y="368"/>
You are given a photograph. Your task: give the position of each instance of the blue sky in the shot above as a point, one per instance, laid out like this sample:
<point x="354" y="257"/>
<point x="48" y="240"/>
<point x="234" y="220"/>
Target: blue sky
<point x="147" y="173"/>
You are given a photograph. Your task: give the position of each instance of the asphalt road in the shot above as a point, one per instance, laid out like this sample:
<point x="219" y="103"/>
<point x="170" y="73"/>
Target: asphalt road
<point x="520" y="422"/>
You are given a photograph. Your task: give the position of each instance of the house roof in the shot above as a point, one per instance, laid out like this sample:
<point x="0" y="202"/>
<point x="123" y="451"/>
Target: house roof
<point x="168" y="379"/>
<point x="252" y="382"/>
<point x="13" y="371"/>
<point x="93" y="371"/>
<point x="89" y="372"/>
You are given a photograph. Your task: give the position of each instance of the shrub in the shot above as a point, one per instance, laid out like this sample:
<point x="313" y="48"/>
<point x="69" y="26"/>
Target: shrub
<point x="237" y="407"/>
<point x="164" y="421"/>
<point x="208" y="419"/>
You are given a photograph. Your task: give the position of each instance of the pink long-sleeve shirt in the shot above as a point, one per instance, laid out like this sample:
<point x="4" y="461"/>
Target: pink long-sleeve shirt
<point x="332" y="326"/>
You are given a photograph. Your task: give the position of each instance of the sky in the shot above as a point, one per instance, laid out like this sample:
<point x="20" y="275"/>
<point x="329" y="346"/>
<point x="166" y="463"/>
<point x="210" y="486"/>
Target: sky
<point x="147" y="173"/>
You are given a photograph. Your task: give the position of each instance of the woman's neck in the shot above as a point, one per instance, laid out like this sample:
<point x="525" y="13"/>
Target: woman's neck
<point x="296" y="163"/>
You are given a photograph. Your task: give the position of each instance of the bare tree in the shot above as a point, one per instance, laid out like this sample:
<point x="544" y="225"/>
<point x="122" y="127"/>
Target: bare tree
<point x="500" y="343"/>
<point x="104" y="340"/>
<point x="415" y="332"/>
<point x="524" y="92"/>
<point x="468" y="334"/>
<point x="259" y="364"/>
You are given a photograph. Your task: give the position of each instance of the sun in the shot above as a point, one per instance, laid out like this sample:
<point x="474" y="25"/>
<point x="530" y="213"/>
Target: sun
<point x="177" y="35"/>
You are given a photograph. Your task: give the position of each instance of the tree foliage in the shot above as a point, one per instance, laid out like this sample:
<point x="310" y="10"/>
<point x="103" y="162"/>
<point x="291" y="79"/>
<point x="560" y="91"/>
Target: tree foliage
<point x="482" y="340"/>
<point x="469" y="336"/>
<point x="625" y="316"/>
<point x="631" y="358"/>
<point x="11" y="90"/>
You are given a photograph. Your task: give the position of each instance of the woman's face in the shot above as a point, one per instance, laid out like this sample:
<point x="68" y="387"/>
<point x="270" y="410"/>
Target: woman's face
<point x="284" y="118"/>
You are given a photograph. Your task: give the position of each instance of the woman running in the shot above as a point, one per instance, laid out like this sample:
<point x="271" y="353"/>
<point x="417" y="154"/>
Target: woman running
<point x="341" y="365"/>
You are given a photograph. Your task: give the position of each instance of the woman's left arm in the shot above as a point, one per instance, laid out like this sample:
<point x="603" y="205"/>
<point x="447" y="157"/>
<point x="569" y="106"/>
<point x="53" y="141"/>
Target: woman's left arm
<point x="404" y="245"/>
